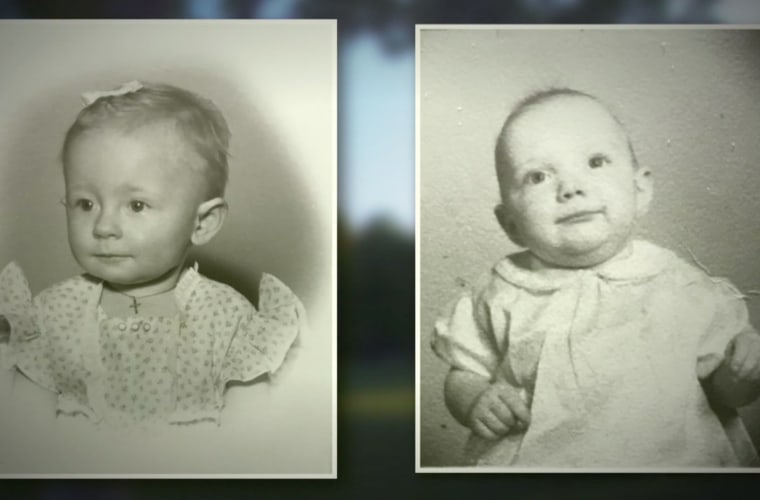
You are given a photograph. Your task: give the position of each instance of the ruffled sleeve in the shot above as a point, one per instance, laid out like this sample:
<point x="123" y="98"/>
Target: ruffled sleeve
<point x="472" y="334"/>
<point x="729" y="318"/>
<point x="265" y="336"/>
<point x="27" y="347"/>
<point x="16" y="305"/>
<point x="15" y="299"/>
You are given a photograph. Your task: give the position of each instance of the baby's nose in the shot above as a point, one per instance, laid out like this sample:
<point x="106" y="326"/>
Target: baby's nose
<point x="106" y="225"/>
<point x="571" y="193"/>
<point x="570" y="188"/>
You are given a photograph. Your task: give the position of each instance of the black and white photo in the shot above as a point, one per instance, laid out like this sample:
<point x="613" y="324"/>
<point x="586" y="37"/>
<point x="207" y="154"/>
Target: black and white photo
<point x="167" y="294"/>
<point x="587" y="244"/>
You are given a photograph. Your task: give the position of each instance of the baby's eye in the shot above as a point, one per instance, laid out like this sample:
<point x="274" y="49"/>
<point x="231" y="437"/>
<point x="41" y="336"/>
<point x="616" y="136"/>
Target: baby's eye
<point x="597" y="161"/>
<point x="535" y="177"/>
<point x="137" y="205"/>
<point x="84" y="204"/>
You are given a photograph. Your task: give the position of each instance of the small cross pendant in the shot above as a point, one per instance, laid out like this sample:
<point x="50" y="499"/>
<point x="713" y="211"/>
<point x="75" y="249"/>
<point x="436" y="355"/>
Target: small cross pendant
<point x="135" y="304"/>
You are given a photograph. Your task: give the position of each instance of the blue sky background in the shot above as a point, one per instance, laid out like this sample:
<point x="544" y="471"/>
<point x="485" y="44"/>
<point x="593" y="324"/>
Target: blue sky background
<point x="379" y="133"/>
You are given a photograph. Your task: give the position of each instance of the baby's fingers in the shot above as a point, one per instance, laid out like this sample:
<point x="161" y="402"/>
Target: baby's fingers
<point x="516" y="404"/>
<point x="504" y="414"/>
<point x="744" y="357"/>
<point x="481" y="430"/>
<point x="488" y="426"/>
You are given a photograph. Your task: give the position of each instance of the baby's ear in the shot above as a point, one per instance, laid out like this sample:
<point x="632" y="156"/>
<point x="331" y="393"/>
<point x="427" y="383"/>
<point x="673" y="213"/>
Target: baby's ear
<point x="644" y="189"/>
<point x="507" y="224"/>
<point x="209" y="220"/>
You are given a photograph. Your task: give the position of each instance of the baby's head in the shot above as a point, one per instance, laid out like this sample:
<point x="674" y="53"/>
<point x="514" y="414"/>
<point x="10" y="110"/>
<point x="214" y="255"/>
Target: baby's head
<point x="570" y="184"/>
<point x="145" y="169"/>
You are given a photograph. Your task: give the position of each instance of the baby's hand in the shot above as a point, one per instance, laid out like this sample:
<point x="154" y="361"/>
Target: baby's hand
<point x="498" y="410"/>
<point x="743" y="357"/>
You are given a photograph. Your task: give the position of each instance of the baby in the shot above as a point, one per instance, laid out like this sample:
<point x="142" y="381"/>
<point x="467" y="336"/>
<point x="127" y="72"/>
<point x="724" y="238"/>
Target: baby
<point x="591" y="348"/>
<point x="141" y="337"/>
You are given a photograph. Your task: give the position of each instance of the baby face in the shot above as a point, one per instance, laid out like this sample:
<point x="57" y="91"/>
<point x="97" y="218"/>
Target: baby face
<point x="573" y="192"/>
<point x="131" y="205"/>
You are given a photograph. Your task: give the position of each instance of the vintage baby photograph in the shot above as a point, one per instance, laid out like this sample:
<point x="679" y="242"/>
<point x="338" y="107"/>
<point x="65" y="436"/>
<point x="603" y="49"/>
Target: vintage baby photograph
<point x="167" y="249"/>
<point x="588" y="284"/>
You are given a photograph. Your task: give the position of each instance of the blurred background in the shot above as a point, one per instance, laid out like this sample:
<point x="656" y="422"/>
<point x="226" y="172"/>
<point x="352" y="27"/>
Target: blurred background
<point x="376" y="443"/>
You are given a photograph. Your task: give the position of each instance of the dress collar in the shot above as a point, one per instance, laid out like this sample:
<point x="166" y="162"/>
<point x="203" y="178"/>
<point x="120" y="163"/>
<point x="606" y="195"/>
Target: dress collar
<point x="182" y="290"/>
<point x="644" y="261"/>
<point x="185" y="286"/>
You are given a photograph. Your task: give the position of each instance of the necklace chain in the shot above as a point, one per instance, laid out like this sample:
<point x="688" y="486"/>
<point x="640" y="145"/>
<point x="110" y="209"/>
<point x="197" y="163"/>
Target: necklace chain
<point x="135" y="304"/>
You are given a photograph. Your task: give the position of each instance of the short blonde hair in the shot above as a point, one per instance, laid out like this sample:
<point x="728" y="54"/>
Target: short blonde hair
<point x="197" y="120"/>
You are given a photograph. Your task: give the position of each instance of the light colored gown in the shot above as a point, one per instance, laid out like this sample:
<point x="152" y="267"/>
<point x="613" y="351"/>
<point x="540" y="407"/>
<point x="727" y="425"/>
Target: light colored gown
<point x="610" y="360"/>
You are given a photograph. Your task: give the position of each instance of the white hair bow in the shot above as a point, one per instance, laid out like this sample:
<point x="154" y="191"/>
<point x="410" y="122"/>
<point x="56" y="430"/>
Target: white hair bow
<point x="92" y="96"/>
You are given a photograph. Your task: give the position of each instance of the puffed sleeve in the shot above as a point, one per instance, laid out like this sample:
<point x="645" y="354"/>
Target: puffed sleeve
<point x="265" y="336"/>
<point x="471" y="335"/>
<point x="729" y="318"/>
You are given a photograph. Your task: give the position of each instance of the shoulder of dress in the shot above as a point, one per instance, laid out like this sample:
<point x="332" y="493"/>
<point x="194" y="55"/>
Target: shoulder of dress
<point x="274" y="294"/>
<point x="76" y="286"/>
<point x="12" y="277"/>
<point x="492" y="288"/>
<point x="221" y="292"/>
<point x="687" y="273"/>
<point x="650" y="262"/>
<point x="11" y="269"/>
<point x="270" y="281"/>
<point x="695" y="277"/>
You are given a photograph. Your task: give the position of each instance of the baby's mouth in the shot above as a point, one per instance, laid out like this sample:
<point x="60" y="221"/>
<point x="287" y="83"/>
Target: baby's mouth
<point x="110" y="256"/>
<point x="579" y="216"/>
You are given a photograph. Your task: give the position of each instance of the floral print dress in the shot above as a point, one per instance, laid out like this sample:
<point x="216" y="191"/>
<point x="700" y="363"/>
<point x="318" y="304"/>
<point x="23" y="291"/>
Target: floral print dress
<point x="126" y="370"/>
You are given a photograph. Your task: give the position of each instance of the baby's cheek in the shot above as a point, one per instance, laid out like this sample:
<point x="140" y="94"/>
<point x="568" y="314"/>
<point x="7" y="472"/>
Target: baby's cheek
<point x="537" y="219"/>
<point x="169" y="248"/>
<point x="148" y="235"/>
<point x="77" y="237"/>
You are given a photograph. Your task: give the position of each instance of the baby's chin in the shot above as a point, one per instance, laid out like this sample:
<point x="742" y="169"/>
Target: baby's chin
<point x="115" y="279"/>
<point x="117" y="275"/>
<point x="581" y="254"/>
